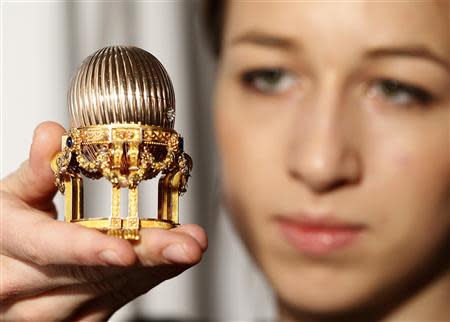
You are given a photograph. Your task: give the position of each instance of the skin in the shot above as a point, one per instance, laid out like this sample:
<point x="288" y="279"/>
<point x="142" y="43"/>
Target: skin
<point x="82" y="272"/>
<point x="326" y="138"/>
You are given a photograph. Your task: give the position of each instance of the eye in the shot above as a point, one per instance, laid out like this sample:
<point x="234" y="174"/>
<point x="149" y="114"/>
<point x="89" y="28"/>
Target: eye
<point x="400" y="93"/>
<point x="269" y="80"/>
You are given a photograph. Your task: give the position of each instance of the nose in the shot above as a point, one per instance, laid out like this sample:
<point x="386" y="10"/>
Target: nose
<point x="323" y="151"/>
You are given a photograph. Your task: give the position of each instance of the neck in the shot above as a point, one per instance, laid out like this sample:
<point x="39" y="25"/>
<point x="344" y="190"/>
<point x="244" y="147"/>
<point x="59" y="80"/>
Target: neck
<point x="428" y="303"/>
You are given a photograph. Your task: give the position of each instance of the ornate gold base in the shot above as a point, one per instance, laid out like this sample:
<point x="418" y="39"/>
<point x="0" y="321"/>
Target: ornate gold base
<point x="104" y="225"/>
<point x="122" y="153"/>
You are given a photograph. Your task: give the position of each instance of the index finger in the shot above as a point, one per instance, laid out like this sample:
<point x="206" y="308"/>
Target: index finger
<point x="30" y="235"/>
<point x="33" y="181"/>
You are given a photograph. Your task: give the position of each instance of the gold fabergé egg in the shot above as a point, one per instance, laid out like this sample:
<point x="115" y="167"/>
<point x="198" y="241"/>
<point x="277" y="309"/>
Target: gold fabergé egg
<point x="120" y="84"/>
<point x="122" y="112"/>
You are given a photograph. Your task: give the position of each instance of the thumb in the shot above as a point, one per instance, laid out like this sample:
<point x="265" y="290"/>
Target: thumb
<point x="33" y="182"/>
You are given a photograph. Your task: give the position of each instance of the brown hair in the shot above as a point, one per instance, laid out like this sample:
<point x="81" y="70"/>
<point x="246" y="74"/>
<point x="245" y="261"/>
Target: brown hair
<point x="213" y="22"/>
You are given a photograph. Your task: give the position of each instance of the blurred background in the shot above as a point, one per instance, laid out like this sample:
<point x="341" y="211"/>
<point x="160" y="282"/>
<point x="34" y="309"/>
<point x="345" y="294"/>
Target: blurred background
<point x="42" y="44"/>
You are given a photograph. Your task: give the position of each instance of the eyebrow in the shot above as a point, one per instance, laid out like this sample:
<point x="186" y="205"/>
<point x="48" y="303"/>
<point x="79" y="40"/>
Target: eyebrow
<point x="266" y="40"/>
<point x="408" y="51"/>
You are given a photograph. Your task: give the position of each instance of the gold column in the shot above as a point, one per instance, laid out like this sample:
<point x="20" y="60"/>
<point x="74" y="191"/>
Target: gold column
<point x="174" y="197"/>
<point x="115" y="222"/>
<point x="164" y="197"/>
<point x="73" y="190"/>
<point x="131" y="224"/>
<point x="68" y="199"/>
<point x="78" y="196"/>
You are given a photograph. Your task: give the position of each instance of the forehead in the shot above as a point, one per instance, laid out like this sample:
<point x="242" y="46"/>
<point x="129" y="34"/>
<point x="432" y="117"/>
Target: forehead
<point x="371" y="23"/>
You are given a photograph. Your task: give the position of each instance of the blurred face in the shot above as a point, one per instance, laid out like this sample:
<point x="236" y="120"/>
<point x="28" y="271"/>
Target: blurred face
<point x="332" y="122"/>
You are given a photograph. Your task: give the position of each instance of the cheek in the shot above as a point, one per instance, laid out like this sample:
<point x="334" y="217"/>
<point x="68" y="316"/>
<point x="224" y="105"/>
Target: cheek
<point x="402" y="159"/>
<point x="238" y="170"/>
<point x="410" y="182"/>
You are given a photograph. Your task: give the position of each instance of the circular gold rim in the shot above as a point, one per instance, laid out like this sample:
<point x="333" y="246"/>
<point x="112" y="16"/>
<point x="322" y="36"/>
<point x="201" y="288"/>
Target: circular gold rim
<point x="104" y="223"/>
<point x="125" y="125"/>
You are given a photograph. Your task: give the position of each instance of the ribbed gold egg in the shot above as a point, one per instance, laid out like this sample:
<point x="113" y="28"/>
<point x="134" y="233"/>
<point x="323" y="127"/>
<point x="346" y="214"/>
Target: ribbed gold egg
<point x="120" y="84"/>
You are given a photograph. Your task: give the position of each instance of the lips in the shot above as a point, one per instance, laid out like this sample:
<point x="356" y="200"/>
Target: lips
<point x="318" y="236"/>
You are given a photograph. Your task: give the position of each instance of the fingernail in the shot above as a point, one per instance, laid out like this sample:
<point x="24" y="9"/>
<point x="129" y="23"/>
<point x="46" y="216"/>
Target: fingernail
<point x="110" y="257"/>
<point x="175" y="253"/>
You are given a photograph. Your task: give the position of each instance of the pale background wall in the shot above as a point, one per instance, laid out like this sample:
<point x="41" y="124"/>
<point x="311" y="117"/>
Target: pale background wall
<point x="42" y="45"/>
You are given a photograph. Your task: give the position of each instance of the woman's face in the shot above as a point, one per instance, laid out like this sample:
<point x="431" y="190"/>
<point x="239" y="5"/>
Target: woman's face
<point x="332" y="122"/>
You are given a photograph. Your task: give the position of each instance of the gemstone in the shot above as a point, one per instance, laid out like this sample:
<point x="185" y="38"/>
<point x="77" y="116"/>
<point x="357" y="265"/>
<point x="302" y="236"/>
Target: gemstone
<point x="69" y="142"/>
<point x="170" y="114"/>
<point x="181" y="143"/>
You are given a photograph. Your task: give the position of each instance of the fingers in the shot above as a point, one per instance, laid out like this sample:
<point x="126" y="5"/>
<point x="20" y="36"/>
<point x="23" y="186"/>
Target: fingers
<point x="31" y="236"/>
<point x="42" y="278"/>
<point x="33" y="182"/>
<point x="182" y="245"/>
<point x="99" y="294"/>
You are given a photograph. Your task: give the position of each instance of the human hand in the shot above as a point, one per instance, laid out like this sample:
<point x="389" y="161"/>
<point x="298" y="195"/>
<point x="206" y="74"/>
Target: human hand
<point x="53" y="271"/>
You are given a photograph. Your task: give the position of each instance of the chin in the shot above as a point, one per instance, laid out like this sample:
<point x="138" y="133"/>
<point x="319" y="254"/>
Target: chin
<point x="323" y="291"/>
<point x="319" y="302"/>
